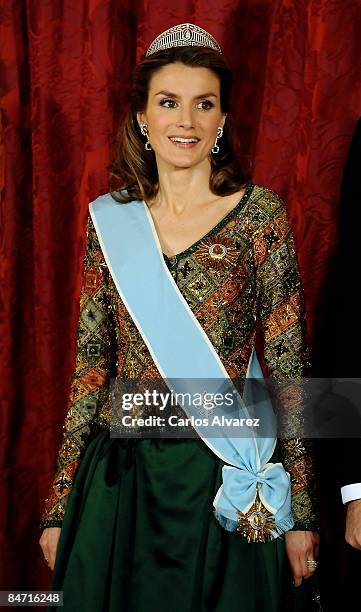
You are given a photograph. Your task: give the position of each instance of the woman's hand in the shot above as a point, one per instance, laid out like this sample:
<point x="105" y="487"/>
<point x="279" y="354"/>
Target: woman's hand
<point x="49" y="543"/>
<point x="300" y="547"/>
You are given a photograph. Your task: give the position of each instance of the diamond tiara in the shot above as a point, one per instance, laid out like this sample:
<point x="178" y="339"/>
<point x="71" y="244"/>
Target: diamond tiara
<point x="183" y="35"/>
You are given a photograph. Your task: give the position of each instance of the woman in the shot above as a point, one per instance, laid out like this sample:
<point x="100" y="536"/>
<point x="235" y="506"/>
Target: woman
<point x="137" y="527"/>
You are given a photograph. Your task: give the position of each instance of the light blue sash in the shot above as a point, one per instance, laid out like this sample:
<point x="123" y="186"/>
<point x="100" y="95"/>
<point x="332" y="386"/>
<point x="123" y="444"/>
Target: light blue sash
<point x="184" y="355"/>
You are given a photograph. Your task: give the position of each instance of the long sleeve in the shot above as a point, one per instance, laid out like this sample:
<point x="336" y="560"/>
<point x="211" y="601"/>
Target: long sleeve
<point x="89" y="389"/>
<point x="282" y="316"/>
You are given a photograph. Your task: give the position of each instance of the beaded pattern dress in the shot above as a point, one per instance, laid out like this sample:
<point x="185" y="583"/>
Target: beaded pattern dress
<point x="254" y="284"/>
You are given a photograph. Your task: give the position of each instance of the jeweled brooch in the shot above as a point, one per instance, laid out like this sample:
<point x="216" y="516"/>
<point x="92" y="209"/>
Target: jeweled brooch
<point x="215" y="253"/>
<point x="257" y="524"/>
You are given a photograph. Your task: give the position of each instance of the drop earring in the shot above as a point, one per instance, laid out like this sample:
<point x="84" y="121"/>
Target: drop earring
<point x="144" y="130"/>
<point x="215" y="148"/>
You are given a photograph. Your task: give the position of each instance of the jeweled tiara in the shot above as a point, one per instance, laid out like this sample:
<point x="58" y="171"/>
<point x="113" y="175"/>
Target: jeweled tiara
<point x="183" y="35"/>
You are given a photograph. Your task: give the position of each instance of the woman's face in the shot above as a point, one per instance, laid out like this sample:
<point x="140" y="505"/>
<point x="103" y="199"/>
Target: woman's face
<point x="183" y="103"/>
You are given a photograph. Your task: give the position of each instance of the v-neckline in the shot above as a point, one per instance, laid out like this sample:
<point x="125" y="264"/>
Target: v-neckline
<point x="227" y="217"/>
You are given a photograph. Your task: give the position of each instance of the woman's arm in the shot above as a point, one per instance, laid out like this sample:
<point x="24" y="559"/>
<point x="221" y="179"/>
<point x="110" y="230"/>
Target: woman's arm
<point x="282" y="314"/>
<point x="90" y="381"/>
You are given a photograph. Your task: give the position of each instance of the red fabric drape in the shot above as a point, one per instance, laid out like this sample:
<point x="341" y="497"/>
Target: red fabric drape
<point x="65" y="70"/>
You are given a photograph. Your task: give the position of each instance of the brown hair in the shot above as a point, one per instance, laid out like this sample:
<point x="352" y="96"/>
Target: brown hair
<point x="135" y="169"/>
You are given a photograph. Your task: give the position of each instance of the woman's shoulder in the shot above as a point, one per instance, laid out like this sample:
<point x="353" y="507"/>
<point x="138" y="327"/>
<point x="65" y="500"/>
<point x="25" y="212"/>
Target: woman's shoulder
<point x="265" y="214"/>
<point x="267" y="199"/>
<point x="94" y="207"/>
<point x="93" y="251"/>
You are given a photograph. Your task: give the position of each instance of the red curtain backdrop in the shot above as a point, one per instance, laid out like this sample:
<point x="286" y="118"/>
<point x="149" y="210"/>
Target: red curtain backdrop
<point x="64" y="70"/>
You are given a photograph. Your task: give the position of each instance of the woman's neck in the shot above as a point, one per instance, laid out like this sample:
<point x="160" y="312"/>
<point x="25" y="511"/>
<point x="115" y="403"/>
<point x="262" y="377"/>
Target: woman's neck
<point x="183" y="188"/>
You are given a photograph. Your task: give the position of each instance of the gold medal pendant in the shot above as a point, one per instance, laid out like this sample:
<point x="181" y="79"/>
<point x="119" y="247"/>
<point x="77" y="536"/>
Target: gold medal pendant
<point x="257" y="524"/>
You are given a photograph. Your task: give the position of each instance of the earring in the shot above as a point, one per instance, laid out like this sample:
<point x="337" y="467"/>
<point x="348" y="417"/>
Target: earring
<point x="144" y="130"/>
<point x="215" y="148"/>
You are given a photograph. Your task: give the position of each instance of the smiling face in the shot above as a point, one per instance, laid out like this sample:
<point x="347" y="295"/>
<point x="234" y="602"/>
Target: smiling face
<point x="183" y="114"/>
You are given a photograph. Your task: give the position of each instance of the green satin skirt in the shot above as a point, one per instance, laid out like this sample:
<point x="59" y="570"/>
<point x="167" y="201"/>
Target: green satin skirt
<point x="139" y="535"/>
